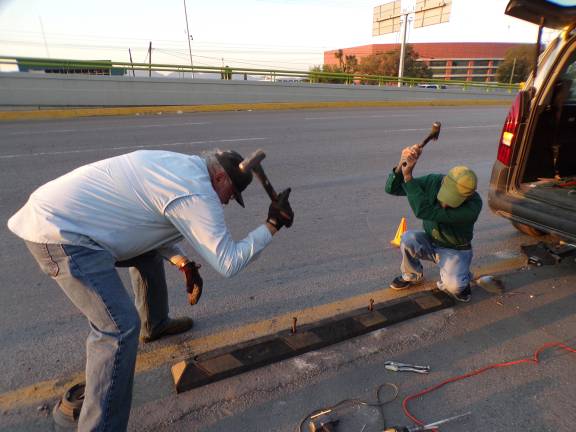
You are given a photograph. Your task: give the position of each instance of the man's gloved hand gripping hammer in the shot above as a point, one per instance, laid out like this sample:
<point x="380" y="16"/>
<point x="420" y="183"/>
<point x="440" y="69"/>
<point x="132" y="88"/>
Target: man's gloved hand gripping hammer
<point x="280" y="213"/>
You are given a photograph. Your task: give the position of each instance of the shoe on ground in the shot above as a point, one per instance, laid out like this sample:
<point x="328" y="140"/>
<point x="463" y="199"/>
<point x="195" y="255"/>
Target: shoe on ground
<point x="463" y="296"/>
<point x="173" y="326"/>
<point x="399" y="283"/>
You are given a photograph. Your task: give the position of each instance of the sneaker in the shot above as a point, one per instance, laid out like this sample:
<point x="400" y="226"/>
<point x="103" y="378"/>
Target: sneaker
<point x="399" y="283"/>
<point x="463" y="296"/>
<point x="172" y="327"/>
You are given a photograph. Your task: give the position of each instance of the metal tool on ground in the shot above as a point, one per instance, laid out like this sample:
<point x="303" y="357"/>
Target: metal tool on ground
<point x="432" y="136"/>
<point x="406" y="367"/>
<point x="340" y="417"/>
<point x="324" y="421"/>
<point x="430" y="426"/>
<point x="491" y="284"/>
<point x="253" y="163"/>
<point x="547" y="254"/>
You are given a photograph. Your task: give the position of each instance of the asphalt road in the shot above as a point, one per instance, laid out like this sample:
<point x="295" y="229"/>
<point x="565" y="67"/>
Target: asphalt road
<point x="336" y="162"/>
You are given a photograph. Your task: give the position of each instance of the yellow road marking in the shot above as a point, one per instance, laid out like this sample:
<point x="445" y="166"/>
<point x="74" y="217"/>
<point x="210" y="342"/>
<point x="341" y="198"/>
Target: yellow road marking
<point x="50" y="389"/>
<point x="88" y="112"/>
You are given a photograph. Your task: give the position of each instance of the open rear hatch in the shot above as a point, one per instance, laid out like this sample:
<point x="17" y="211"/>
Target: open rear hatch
<point x="557" y="14"/>
<point x="549" y="169"/>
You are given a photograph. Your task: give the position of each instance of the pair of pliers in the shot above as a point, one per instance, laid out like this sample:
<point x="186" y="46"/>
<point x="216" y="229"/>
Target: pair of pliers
<point x="406" y="367"/>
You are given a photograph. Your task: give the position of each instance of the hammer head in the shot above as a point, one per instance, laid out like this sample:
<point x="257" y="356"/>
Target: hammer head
<point x="435" y="132"/>
<point x="252" y="161"/>
<point x="433" y="135"/>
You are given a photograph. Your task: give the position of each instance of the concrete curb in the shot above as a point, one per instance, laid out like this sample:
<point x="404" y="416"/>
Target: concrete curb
<point x="46" y="114"/>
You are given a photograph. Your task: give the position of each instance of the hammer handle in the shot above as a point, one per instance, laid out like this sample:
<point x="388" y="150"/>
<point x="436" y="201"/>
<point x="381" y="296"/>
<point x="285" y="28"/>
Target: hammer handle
<point x="433" y="135"/>
<point x="426" y="140"/>
<point x="259" y="172"/>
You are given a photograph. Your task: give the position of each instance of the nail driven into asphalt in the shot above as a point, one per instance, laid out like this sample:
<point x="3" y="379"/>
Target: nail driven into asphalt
<point x="294" y="320"/>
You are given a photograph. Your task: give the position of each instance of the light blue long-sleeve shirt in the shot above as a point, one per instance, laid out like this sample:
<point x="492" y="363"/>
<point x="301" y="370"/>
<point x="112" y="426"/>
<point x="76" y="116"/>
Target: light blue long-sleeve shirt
<point x="134" y="203"/>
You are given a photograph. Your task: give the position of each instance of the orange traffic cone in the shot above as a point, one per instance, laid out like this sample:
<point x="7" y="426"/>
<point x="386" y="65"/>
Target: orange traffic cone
<point x="401" y="230"/>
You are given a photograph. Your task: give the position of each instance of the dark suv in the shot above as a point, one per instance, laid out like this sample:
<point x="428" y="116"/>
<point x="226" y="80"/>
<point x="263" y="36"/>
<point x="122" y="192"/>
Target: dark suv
<point x="533" y="180"/>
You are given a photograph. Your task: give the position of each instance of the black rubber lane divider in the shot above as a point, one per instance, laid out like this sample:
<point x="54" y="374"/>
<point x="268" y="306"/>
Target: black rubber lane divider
<point x="235" y="359"/>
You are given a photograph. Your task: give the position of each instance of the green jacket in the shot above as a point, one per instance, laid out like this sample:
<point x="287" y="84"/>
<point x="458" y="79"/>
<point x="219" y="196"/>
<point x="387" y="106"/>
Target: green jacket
<point x="448" y="227"/>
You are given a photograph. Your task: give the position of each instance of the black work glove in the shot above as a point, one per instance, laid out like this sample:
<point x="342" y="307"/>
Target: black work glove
<point x="280" y="213"/>
<point x="194" y="282"/>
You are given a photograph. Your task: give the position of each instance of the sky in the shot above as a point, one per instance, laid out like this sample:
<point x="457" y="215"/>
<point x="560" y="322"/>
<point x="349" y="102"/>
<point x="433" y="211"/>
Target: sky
<point x="269" y="34"/>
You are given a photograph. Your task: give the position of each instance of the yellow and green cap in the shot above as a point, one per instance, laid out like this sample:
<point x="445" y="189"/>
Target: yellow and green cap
<point x="459" y="184"/>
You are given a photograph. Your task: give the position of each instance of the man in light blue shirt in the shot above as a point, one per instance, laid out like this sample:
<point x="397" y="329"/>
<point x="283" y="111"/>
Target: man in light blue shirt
<point x="131" y="210"/>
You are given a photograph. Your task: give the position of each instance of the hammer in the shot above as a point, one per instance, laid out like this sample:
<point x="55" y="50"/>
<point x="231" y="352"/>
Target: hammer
<point x="433" y="135"/>
<point x="253" y="163"/>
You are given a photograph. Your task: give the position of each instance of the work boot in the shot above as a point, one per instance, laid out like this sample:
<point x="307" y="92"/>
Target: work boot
<point x="172" y="326"/>
<point x="463" y="296"/>
<point x="399" y="283"/>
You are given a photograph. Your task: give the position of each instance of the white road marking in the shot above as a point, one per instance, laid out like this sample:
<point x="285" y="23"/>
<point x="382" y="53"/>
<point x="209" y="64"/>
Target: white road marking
<point x="360" y="117"/>
<point x="443" y="128"/>
<point x="476" y="127"/>
<point x="88" y="150"/>
<point x="42" y="132"/>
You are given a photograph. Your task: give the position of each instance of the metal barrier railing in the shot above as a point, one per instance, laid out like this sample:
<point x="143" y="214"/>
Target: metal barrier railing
<point x="228" y="73"/>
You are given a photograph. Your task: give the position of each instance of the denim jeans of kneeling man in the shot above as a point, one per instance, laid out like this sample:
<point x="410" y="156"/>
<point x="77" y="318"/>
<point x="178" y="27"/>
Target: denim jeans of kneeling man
<point x="454" y="264"/>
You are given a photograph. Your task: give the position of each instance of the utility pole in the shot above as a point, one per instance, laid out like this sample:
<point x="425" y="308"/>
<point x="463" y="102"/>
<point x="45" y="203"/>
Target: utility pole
<point x="150" y="60"/>
<point x="44" y="37"/>
<point x="402" y="49"/>
<point x="131" y="62"/>
<point x="189" y="39"/>
<point x="513" y="67"/>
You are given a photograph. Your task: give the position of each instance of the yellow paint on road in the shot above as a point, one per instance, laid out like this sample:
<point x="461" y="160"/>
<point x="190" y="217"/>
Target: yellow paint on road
<point x="45" y="390"/>
<point x="46" y="113"/>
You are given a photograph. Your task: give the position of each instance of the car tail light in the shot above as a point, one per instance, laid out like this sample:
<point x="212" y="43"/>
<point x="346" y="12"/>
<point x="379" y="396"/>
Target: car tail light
<point x="510" y="129"/>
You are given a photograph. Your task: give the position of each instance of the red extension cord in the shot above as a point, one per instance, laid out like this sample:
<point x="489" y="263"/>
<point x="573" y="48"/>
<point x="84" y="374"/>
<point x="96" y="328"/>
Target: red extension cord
<point x="534" y="359"/>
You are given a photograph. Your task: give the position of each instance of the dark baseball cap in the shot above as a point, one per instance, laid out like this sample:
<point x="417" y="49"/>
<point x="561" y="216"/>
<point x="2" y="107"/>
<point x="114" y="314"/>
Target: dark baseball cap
<point x="229" y="160"/>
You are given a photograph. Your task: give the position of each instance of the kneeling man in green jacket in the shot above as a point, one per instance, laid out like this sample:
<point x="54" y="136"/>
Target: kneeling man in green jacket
<point x="448" y="206"/>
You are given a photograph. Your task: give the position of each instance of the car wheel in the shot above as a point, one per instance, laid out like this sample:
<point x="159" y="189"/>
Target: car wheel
<point x="528" y="230"/>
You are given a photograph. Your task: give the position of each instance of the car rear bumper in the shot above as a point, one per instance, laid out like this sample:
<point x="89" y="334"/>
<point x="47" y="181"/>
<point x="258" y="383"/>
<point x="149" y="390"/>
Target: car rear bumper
<point x="543" y="216"/>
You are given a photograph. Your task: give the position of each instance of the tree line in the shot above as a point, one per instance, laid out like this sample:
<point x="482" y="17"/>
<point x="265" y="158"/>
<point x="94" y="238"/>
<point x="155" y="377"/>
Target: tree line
<point x="514" y="68"/>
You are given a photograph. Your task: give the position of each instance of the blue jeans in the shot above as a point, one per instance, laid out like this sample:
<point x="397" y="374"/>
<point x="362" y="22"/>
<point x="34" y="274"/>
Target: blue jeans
<point x="150" y="291"/>
<point x="454" y="264"/>
<point x="90" y="280"/>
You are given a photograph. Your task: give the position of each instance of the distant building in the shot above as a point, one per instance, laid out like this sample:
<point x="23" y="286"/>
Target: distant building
<point x="465" y="61"/>
<point x="89" y="67"/>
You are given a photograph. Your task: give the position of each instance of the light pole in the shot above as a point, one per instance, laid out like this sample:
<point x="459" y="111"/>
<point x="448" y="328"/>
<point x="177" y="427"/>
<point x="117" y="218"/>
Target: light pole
<point x="404" y="23"/>
<point x="512" y="73"/>
<point x="189" y="38"/>
<point x="44" y="36"/>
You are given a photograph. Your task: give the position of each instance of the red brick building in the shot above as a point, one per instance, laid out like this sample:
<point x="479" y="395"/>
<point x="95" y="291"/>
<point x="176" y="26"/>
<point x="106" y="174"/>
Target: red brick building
<point x="465" y="61"/>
